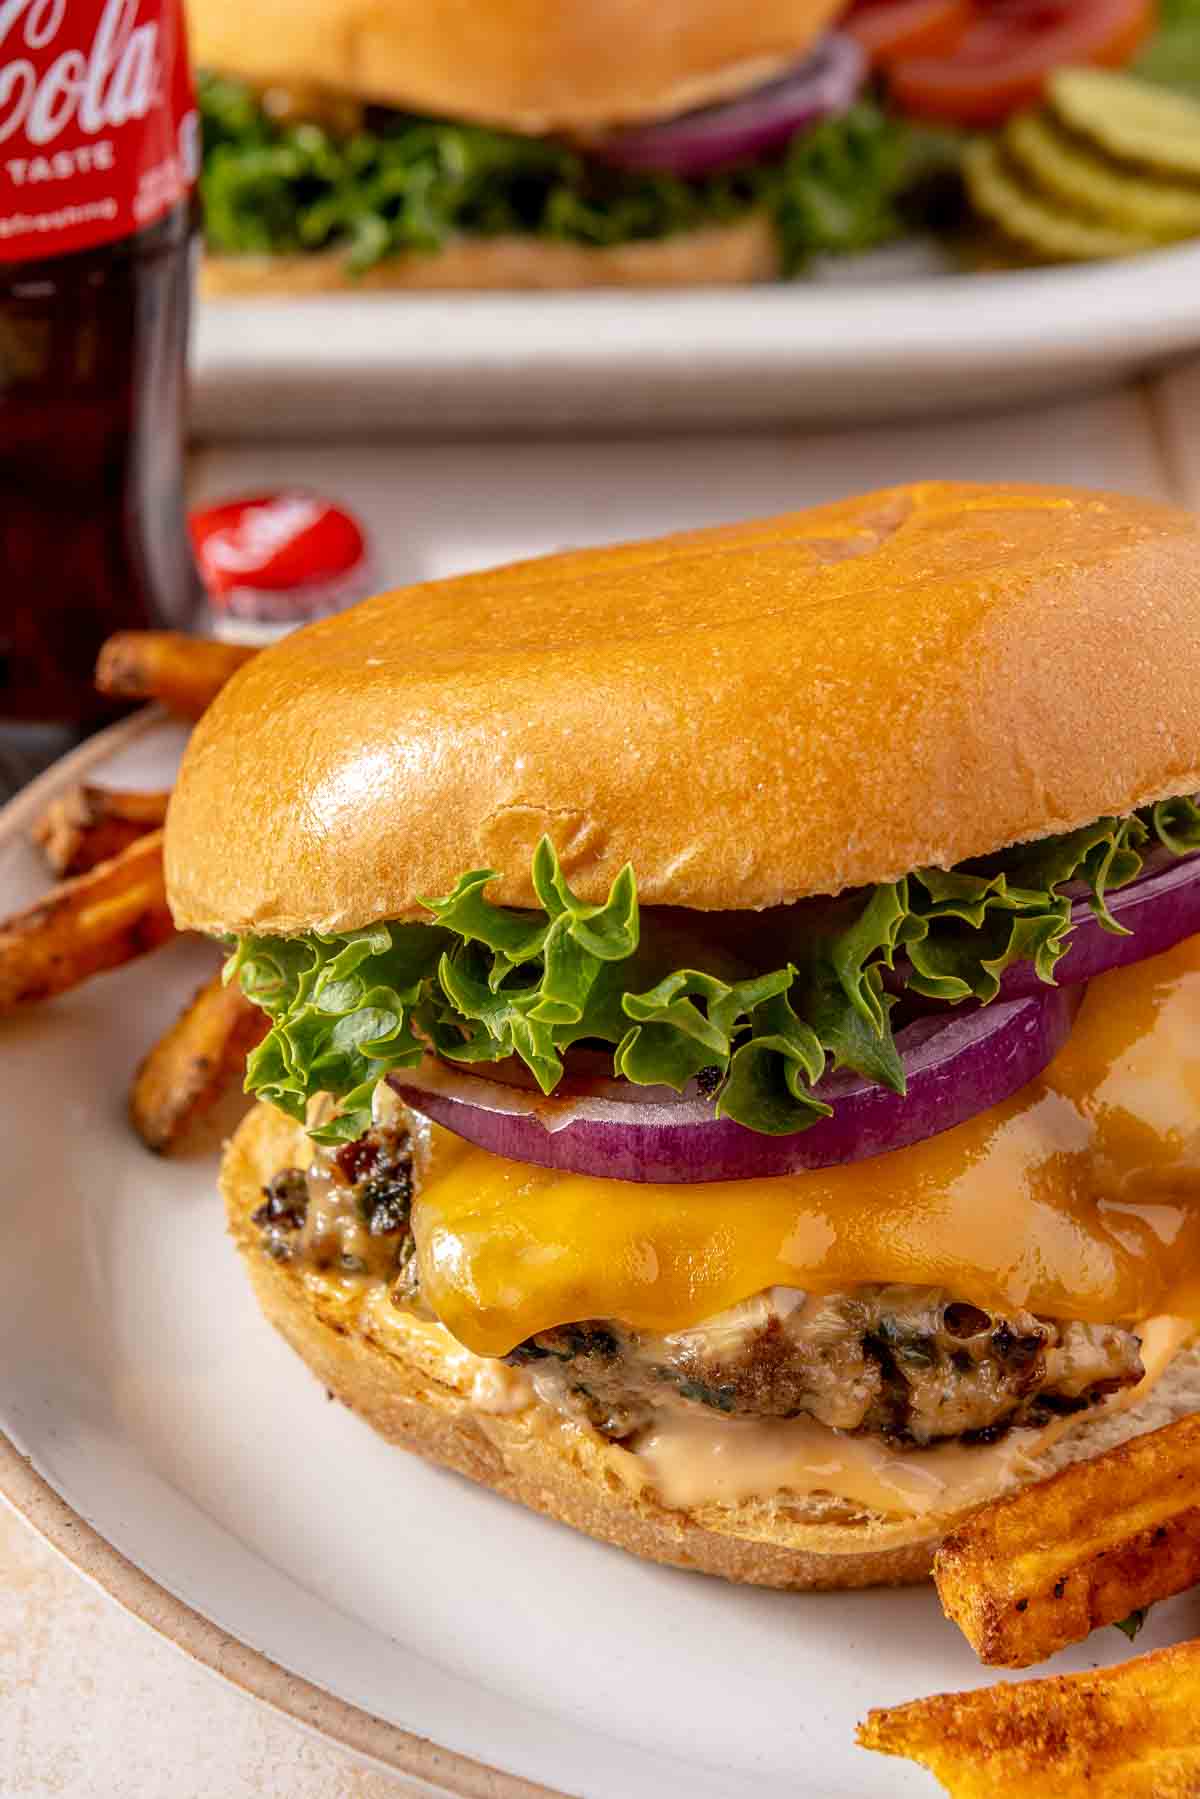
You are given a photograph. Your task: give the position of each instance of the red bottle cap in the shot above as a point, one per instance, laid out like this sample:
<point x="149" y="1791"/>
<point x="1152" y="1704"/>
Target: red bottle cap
<point x="273" y="561"/>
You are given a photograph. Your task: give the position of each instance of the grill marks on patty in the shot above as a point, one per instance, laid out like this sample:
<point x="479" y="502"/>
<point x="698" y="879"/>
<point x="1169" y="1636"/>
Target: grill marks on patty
<point x="911" y="1364"/>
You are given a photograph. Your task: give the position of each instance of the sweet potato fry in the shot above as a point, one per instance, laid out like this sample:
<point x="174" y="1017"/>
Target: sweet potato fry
<point x="184" y="673"/>
<point x="88" y="825"/>
<point x="184" y="1074"/>
<point x="1027" y="1575"/>
<point x="86" y="925"/>
<point x="1129" y="1732"/>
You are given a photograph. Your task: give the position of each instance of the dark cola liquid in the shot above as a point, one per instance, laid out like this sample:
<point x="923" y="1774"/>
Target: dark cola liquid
<point x="93" y="537"/>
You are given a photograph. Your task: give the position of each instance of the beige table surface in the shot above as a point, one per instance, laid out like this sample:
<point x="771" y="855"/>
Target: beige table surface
<point x="92" y="1704"/>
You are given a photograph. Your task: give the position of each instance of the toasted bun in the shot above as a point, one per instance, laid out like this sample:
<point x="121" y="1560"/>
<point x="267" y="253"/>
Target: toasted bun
<point x="413" y="1384"/>
<point x="528" y="65"/>
<point x="719" y="256"/>
<point x="749" y="714"/>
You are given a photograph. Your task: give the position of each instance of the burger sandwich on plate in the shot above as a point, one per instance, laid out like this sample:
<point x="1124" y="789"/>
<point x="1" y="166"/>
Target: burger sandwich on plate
<point x="561" y="143"/>
<point x="734" y="1076"/>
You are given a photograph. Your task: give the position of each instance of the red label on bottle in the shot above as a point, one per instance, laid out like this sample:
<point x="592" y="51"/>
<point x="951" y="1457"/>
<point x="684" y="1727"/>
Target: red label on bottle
<point x="99" y="134"/>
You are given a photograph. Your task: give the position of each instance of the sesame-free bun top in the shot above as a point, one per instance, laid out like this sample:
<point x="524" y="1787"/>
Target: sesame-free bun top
<point x="749" y="714"/>
<point x="528" y="65"/>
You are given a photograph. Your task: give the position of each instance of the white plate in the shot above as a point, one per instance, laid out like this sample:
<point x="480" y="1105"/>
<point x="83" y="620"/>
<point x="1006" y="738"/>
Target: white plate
<point x="147" y="1391"/>
<point x="850" y="347"/>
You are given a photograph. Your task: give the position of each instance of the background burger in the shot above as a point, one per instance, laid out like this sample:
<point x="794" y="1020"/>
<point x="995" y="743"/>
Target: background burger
<point x="520" y="144"/>
<point x="488" y="143"/>
<point x="797" y="1140"/>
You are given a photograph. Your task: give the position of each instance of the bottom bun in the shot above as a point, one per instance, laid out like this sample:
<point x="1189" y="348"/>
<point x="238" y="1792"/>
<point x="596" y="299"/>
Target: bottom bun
<point x="420" y="1389"/>
<point x="718" y="256"/>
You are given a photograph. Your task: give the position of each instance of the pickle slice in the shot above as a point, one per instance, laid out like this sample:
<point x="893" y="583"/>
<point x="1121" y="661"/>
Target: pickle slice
<point x="1071" y="172"/>
<point x="1051" y="232"/>
<point x="1131" y="119"/>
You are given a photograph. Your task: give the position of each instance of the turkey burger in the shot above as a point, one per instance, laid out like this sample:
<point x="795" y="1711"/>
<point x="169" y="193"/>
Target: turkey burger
<point x="734" y="1070"/>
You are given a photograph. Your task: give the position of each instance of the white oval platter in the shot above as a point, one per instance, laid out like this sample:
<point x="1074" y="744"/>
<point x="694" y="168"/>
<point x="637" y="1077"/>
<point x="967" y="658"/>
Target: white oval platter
<point x="886" y="336"/>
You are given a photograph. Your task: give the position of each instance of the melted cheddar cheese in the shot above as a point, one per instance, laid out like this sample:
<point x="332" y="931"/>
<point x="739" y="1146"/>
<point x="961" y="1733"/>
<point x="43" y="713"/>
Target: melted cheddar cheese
<point x="1078" y="1197"/>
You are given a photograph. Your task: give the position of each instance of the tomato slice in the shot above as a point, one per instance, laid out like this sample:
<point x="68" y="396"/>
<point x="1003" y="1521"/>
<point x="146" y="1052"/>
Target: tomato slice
<point x="1002" y="60"/>
<point x="887" y="29"/>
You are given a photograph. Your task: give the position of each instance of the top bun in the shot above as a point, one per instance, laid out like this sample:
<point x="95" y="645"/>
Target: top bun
<point x="749" y="714"/>
<point x="529" y="65"/>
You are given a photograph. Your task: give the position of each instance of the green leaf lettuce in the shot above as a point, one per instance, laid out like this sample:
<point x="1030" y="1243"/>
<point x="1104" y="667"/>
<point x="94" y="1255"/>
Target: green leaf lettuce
<point x="376" y="183"/>
<point x="481" y="983"/>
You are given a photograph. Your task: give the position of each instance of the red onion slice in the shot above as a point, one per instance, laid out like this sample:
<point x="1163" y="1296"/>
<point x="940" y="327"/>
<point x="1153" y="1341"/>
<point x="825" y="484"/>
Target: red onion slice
<point x="958" y="1063"/>
<point x="1159" y="910"/>
<point x="714" y="137"/>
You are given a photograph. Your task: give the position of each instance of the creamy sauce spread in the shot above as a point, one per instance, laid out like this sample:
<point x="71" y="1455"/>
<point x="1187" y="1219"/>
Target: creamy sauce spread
<point x="693" y="1461"/>
<point x="488" y="1385"/>
<point x="697" y="1460"/>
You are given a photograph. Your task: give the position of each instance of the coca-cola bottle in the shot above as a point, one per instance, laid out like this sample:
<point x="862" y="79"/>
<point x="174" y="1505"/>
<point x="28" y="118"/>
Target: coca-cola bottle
<point x="99" y="154"/>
